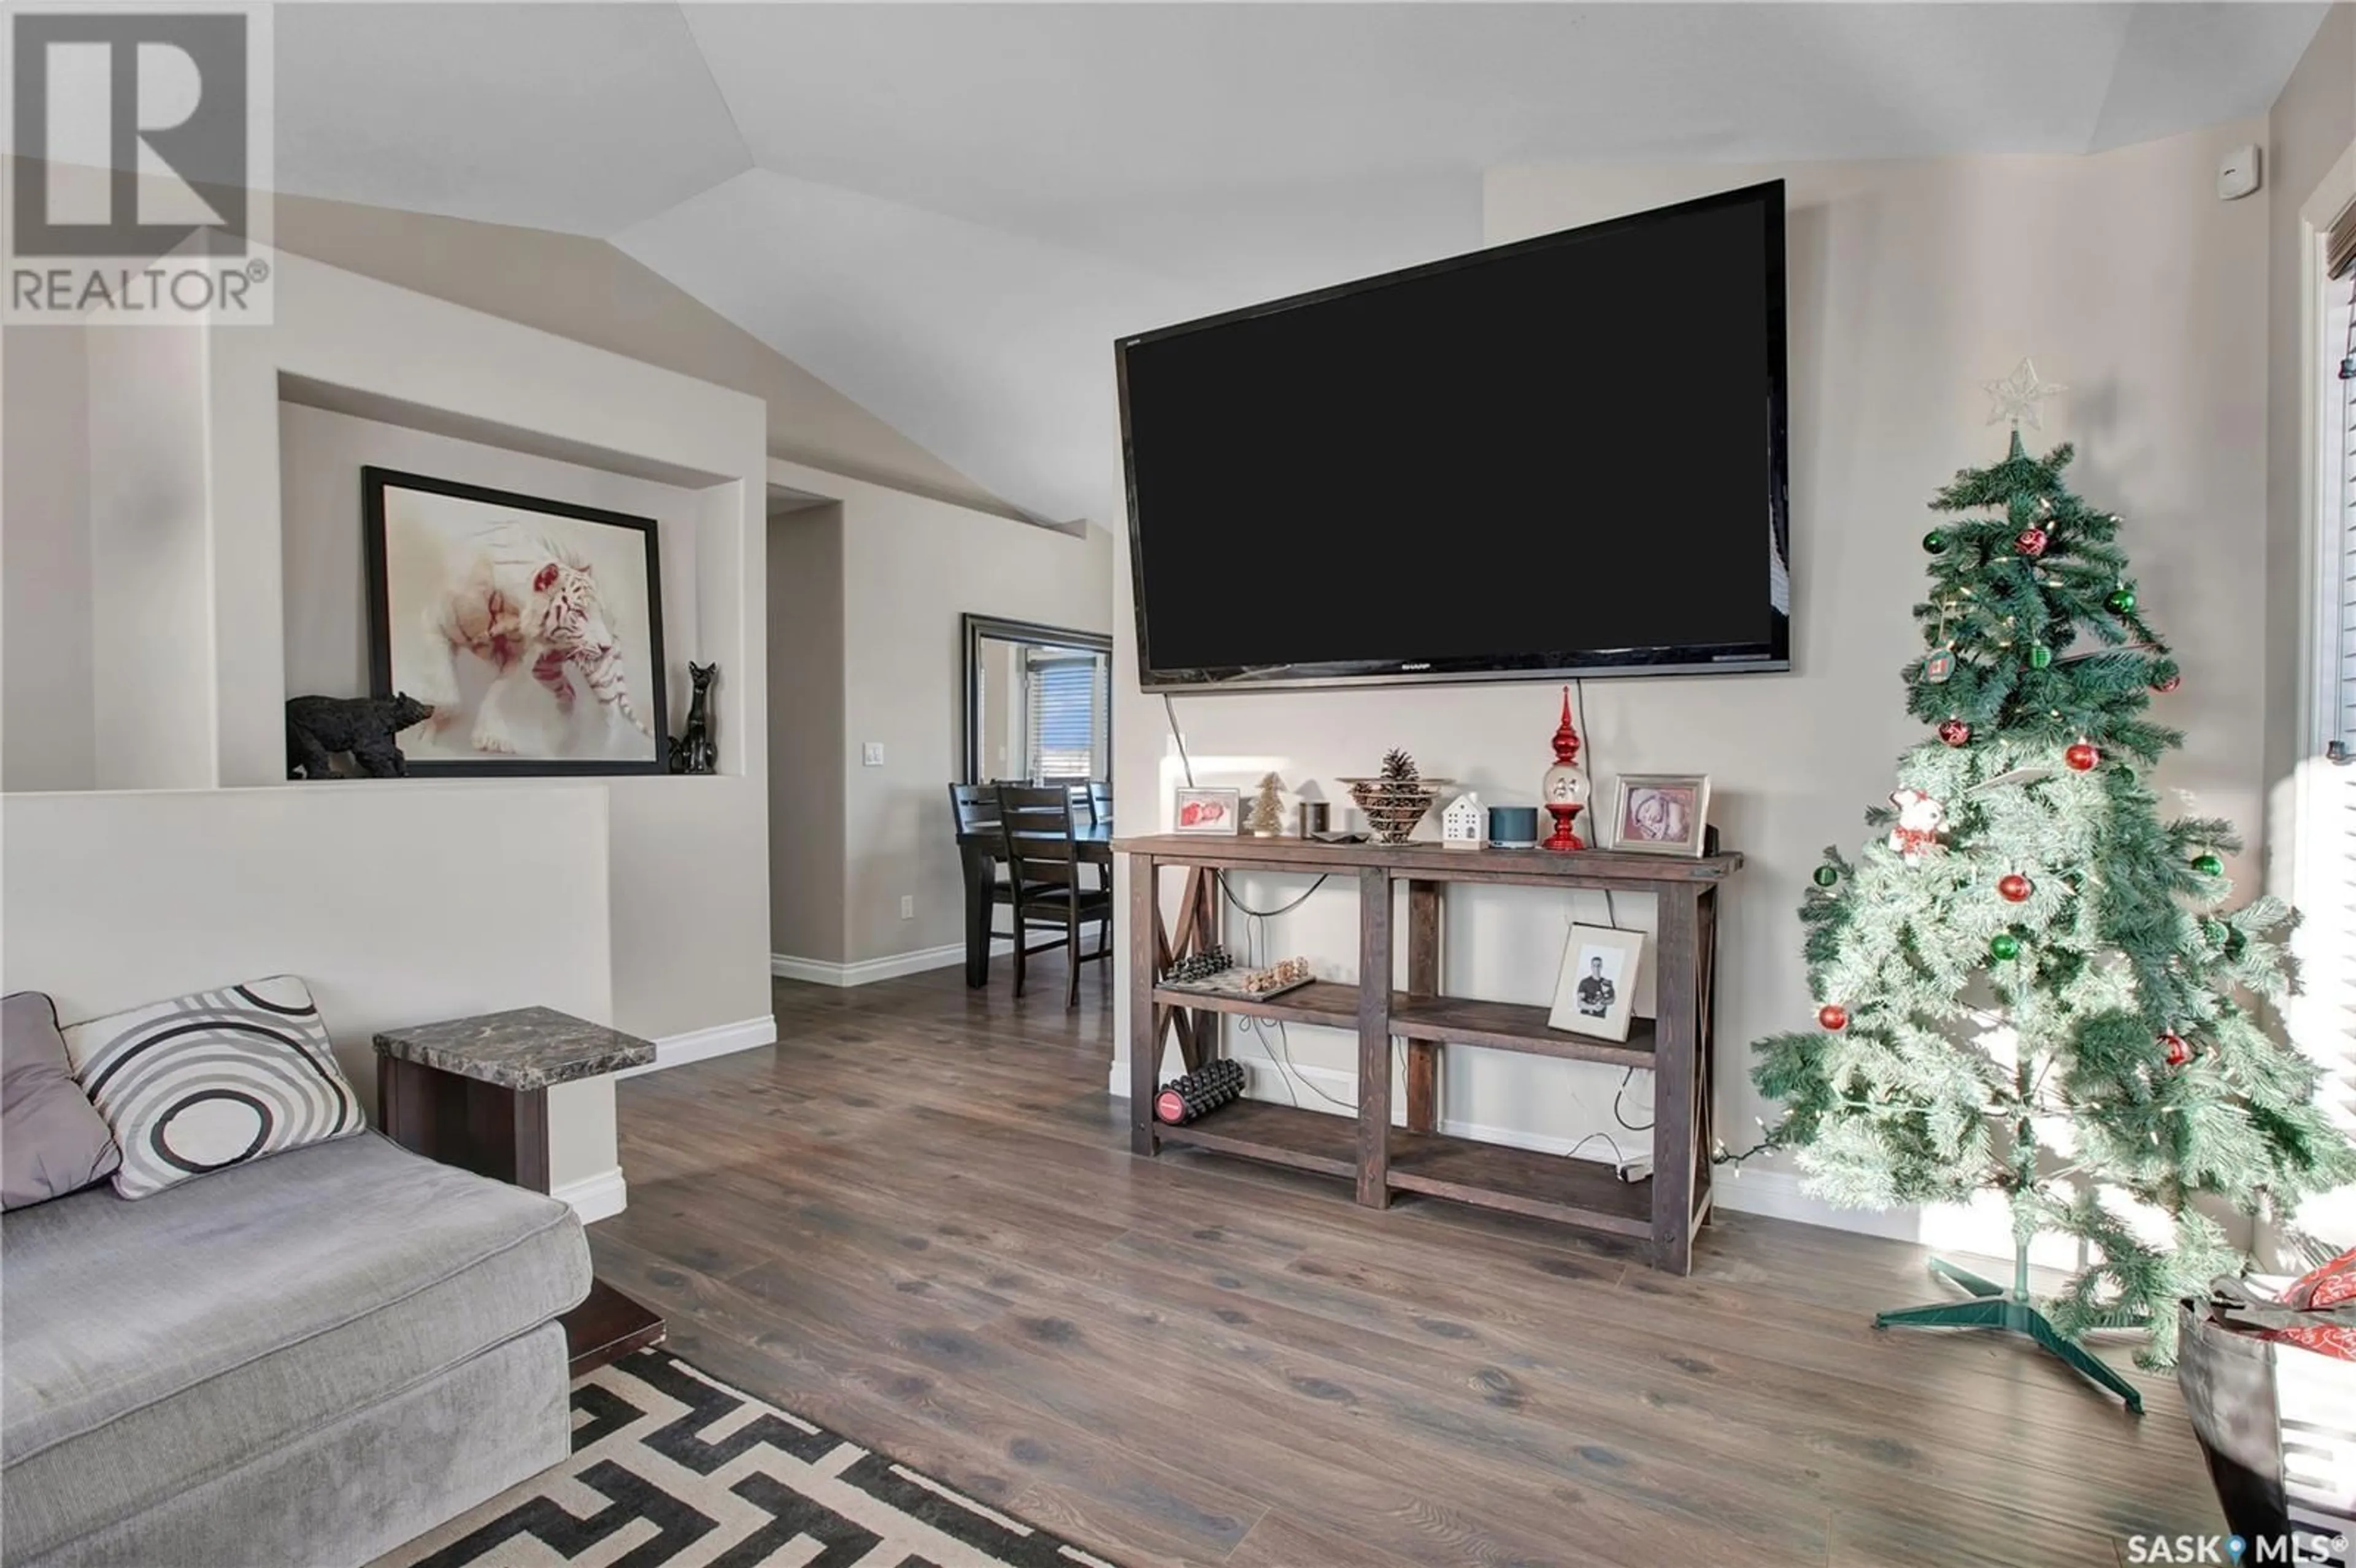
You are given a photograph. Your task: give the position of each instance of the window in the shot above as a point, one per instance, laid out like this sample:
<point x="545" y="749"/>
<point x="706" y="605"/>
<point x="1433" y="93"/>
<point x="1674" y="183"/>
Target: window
<point x="1068" y="700"/>
<point x="2325" y="879"/>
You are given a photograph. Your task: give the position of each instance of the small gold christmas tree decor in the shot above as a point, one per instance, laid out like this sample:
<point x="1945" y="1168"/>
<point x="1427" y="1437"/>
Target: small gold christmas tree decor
<point x="1266" y="820"/>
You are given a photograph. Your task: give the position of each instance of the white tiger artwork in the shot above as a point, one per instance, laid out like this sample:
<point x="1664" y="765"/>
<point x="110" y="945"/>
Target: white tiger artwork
<point x="528" y="607"/>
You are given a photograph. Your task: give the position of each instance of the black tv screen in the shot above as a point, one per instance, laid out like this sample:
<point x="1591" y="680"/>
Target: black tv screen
<point x="1563" y="455"/>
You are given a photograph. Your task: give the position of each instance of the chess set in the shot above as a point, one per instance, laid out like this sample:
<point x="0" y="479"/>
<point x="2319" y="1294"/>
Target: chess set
<point x="1214" y="973"/>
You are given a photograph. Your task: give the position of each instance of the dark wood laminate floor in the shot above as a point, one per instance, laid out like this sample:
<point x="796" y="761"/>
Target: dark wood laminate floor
<point x="917" y="1220"/>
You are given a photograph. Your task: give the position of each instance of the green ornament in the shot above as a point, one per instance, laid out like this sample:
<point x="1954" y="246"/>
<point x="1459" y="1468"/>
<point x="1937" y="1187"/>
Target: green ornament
<point x="2207" y="864"/>
<point x="2039" y="655"/>
<point x="1827" y="876"/>
<point x="2215" y="931"/>
<point x="1934" y="541"/>
<point x="2004" y="947"/>
<point x="2235" y="942"/>
<point x="2122" y="601"/>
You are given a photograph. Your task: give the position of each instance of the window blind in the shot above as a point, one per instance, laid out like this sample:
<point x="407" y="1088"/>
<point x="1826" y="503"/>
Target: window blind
<point x="2339" y="247"/>
<point x="1063" y="717"/>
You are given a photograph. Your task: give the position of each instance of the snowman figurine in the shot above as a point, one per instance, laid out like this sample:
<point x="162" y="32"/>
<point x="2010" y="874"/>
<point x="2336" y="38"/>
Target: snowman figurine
<point x="1919" y="819"/>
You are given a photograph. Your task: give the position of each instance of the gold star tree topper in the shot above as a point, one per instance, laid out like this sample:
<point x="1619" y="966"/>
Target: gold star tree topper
<point x="2016" y="395"/>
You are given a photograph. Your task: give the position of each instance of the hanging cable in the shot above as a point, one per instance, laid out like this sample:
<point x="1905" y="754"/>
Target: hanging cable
<point x="1620" y="1117"/>
<point x="1275" y="1042"/>
<point x="1170" y="710"/>
<point x="1263" y="913"/>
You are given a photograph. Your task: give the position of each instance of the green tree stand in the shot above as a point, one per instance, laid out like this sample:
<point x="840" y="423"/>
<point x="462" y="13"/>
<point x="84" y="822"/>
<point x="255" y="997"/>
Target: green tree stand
<point x="2013" y="1312"/>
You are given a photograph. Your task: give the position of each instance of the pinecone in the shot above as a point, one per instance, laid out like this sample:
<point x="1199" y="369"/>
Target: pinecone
<point x="1399" y="768"/>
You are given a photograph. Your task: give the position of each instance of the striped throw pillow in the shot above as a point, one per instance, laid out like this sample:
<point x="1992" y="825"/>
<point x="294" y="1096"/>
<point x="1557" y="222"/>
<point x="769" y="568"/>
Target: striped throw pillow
<point x="212" y="1079"/>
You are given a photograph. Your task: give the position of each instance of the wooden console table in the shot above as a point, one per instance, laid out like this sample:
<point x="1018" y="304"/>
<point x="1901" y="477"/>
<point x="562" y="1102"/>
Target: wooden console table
<point x="1665" y="1209"/>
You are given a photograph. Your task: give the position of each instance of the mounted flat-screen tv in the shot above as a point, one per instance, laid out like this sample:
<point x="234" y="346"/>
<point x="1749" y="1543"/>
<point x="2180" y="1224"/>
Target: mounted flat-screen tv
<point x="1564" y="456"/>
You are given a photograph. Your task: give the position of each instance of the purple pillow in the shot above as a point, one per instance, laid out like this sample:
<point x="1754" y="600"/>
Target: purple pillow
<point x="51" y="1141"/>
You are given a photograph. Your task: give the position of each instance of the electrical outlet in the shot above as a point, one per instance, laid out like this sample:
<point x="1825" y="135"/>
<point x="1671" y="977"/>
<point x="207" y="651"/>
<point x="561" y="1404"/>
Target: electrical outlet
<point x="871" y="756"/>
<point x="907" y="906"/>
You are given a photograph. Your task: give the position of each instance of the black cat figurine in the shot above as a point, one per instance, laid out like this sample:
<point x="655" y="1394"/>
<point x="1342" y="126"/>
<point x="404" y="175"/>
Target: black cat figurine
<point x="693" y="752"/>
<point x="318" y="727"/>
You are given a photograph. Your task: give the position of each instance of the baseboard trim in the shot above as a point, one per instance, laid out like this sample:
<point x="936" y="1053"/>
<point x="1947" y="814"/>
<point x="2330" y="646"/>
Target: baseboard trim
<point x="1770" y="1194"/>
<point x="702" y="1044"/>
<point x="867" y="971"/>
<point x="595" y="1198"/>
<point x="1779" y="1195"/>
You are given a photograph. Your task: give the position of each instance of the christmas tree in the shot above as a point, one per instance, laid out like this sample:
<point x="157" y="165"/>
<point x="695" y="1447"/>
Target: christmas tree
<point x="2032" y="987"/>
<point x="1266" y="820"/>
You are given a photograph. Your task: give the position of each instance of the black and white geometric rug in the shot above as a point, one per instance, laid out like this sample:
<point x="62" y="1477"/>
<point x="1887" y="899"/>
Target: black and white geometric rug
<point x="674" y="1470"/>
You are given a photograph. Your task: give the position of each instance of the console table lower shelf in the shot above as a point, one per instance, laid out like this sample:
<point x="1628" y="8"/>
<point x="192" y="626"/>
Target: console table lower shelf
<point x="1371" y="1149"/>
<point x="1491" y="1175"/>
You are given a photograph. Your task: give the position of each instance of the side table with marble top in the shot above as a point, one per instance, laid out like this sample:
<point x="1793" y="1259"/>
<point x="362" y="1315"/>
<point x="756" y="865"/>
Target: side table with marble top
<point x="473" y="1092"/>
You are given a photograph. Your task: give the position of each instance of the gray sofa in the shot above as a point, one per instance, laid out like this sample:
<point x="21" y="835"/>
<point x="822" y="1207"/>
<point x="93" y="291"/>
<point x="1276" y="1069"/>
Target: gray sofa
<point x="305" y="1360"/>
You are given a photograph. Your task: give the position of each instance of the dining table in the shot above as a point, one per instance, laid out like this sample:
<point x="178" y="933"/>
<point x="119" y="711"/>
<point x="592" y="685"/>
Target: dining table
<point x="982" y="849"/>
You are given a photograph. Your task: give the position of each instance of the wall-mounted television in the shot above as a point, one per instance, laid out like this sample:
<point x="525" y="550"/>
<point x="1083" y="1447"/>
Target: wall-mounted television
<point x="1566" y="455"/>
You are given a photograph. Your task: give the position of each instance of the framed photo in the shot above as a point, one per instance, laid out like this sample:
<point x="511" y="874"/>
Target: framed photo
<point x="1661" y="814"/>
<point x="532" y="627"/>
<point x="1208" y="811"/>
<point x="1596" y="994"/>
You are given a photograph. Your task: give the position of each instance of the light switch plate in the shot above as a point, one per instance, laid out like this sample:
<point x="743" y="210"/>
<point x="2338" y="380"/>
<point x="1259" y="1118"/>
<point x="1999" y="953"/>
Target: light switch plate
<point x="871" y="756"/>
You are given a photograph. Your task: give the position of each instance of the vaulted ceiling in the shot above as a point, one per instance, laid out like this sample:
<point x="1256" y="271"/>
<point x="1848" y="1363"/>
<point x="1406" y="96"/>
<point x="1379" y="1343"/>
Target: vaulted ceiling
<point x="948" y="212"/>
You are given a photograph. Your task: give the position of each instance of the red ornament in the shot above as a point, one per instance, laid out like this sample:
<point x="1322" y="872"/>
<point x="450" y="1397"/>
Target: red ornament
<point x="2014" y="887"/>
<point x="2082" y="757"/>
<point x="2031" y="542"/>
<point x="2178" y="1054"/>
<point x="2171" y="684"/>
<point x="1833" y="1016"/>
<point x="1954" y="731"/>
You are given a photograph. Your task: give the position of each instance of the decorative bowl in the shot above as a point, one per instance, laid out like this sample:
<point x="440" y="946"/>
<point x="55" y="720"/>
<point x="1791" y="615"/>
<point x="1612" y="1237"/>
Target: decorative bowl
<point x="1394" y="808"/>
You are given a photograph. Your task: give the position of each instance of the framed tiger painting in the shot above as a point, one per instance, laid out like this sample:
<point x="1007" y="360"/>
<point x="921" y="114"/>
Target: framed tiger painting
<point x="533" y="628"/>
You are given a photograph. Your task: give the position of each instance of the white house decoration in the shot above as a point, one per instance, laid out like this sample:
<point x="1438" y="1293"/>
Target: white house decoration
<point x="1459" y="825"/>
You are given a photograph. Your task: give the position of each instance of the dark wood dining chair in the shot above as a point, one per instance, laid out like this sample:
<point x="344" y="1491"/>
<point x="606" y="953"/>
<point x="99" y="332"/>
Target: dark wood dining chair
<point x="976" y="809"/>
<point x="1101" y="801"/>
<point x="1049" y="888"/>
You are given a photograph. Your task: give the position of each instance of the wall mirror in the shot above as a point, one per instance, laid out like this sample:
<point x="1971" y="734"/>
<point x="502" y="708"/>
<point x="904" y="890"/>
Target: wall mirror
<point x="1038" y="702"/>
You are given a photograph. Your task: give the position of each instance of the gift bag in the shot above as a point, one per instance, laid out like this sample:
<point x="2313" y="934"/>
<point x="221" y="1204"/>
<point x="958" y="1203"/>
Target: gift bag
<point x="2270" y="1381"/>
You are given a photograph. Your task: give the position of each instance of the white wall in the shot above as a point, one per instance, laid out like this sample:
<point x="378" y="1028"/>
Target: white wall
<point x="806" y="734"/>
<point x="320" y="454"/>
<point x="46" y="737"/>
<point x="582" y="288"/>
<point x="1003" y="726"/>
<point x="1911" y="284"/>
<point x="911" y="567"/>
<point x="152" y="669"/>
<point x="370" y="892"/>
<point x="689" y="904"/>
<point x="185" y="626"/>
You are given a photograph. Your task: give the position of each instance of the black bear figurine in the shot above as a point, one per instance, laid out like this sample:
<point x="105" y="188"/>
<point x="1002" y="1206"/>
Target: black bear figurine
<point x="318" y="727"/>
<point x="693" y="752"/>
